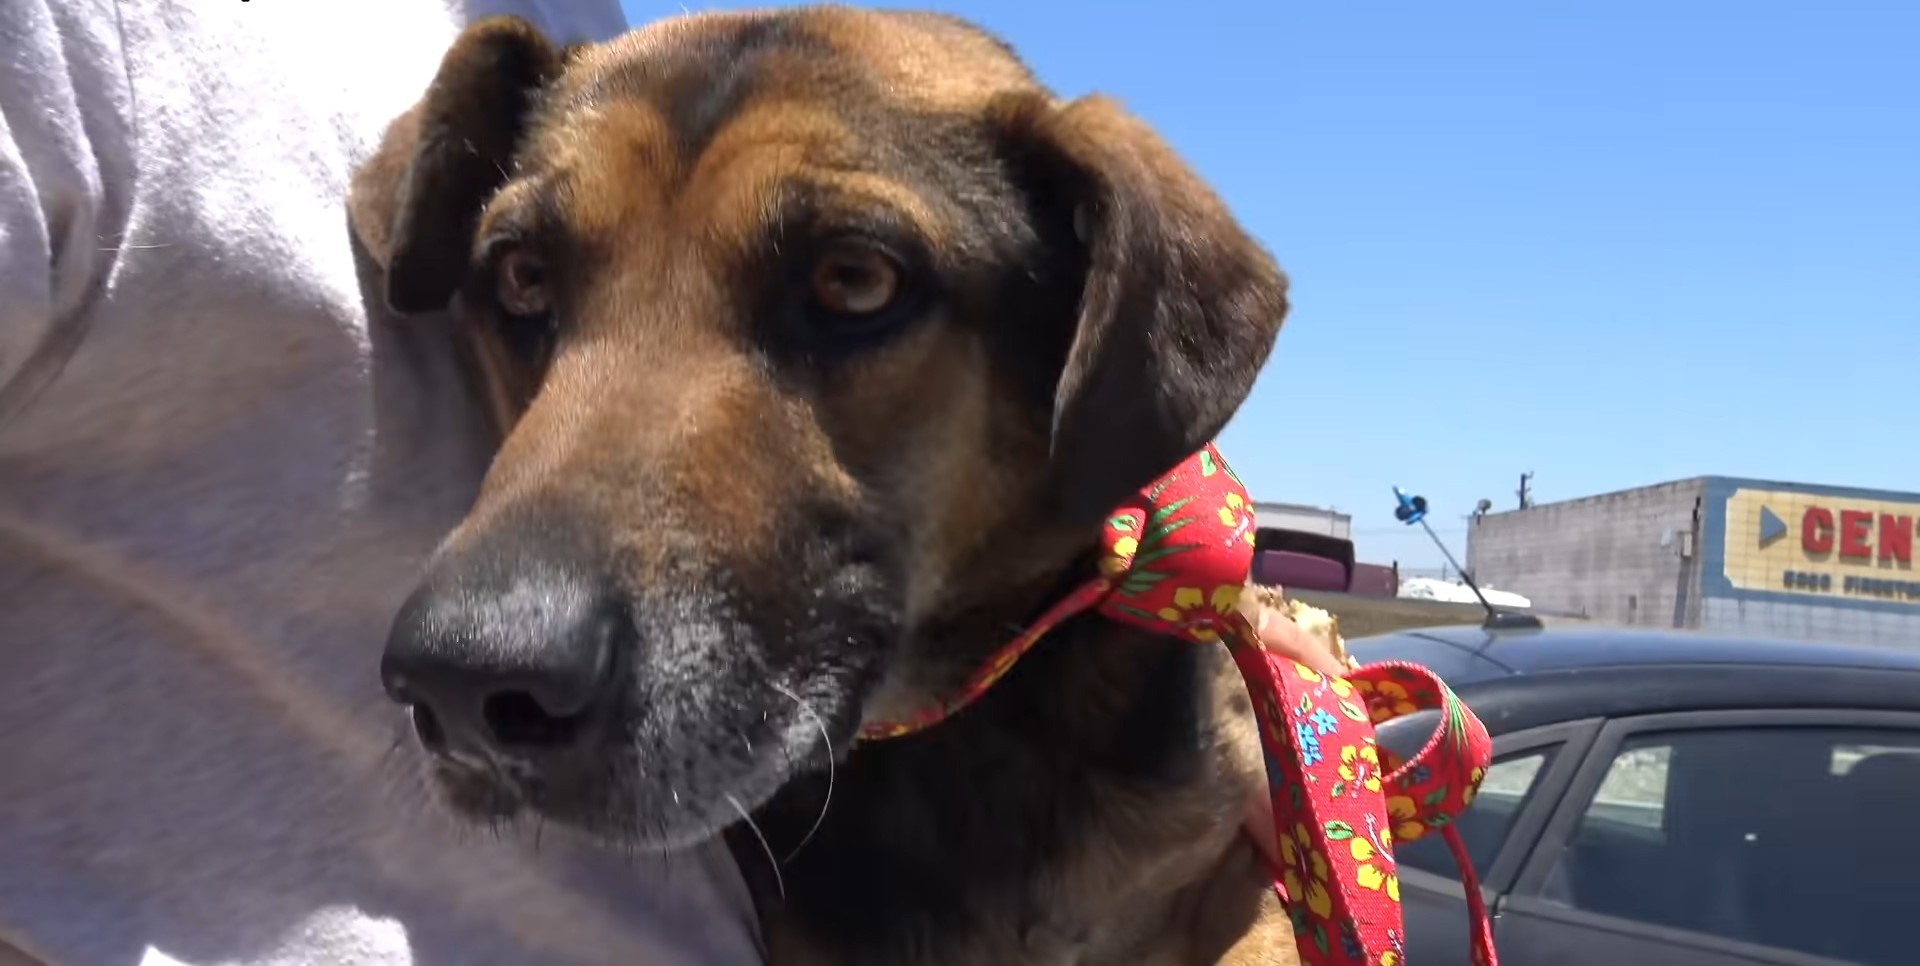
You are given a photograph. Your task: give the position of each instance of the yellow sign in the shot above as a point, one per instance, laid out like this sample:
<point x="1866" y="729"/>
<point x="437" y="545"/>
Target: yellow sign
<point x="1821" y="545"/>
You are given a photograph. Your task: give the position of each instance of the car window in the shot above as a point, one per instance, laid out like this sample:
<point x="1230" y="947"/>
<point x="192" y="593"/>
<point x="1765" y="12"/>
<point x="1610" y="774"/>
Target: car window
<point x="1785" y="837"/>
<point x="1846" y="756"/>
<point x="1483" y="827"/>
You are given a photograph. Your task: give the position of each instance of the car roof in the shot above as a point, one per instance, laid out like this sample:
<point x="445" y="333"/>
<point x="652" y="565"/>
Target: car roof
<point x="1526" y="677"/>
<point x="1529" y="651"/>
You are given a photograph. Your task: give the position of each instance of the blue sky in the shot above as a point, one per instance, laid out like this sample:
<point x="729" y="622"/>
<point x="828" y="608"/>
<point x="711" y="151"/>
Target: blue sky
<point x="1613" y="245"/>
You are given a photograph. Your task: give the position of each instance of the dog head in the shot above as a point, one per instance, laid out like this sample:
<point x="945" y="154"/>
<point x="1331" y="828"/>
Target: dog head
<point x="806" y="330"/>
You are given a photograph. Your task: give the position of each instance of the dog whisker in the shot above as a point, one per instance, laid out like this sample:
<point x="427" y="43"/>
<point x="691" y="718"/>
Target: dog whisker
<point x="828" y="739"/>
<point x="779" y="882"/>
<point x="666" y="858"/>
<point x="401" y="778"/>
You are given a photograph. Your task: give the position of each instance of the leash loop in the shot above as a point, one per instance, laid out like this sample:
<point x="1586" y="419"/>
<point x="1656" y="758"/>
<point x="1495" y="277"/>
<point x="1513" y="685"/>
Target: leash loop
<point x="1174" y="561"/>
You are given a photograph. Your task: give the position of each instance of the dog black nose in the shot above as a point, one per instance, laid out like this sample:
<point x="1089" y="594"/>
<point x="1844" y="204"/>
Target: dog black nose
<point x="515" y="668"/>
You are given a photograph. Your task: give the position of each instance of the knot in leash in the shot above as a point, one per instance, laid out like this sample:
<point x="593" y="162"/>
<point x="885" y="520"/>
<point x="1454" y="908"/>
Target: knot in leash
<point x="1174" y="561"/>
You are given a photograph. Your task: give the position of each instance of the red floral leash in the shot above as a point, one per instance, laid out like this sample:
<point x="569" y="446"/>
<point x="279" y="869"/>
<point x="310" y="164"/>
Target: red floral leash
<point x="1174" y="560"/>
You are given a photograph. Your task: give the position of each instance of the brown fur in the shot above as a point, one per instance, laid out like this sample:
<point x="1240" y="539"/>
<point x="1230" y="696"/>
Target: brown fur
<point x="806" y="536"/>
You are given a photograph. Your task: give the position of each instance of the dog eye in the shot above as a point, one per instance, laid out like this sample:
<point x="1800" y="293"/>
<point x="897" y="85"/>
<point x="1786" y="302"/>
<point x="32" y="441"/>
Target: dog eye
<point x="855" y="283"/>
<point x="520" y="282"/>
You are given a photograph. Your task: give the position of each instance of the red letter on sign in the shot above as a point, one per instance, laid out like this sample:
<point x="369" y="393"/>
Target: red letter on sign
<point x="1816" y="530"/>
<point x="1896" y="538"/>
<point x="1856" y="533"/>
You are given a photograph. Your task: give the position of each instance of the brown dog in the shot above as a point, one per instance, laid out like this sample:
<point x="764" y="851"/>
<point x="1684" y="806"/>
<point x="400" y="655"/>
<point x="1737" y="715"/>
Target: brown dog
<point x="822" y="340"/>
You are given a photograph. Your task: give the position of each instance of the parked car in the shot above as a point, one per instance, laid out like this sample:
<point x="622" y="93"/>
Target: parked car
<point x="1673" y="799"/>
<point x="1298" y="560"/>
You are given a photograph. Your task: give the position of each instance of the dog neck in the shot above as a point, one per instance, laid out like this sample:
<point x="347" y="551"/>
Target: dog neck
<point x="971" y="813"/>
<point x="1015" y="578"/>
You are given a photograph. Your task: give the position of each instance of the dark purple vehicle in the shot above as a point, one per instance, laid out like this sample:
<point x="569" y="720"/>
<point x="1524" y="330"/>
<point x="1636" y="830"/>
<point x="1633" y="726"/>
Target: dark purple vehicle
<point x="1312" y="561"/>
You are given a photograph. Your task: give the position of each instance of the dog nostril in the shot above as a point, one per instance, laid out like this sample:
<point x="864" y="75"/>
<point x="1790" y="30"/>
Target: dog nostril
<point x="426" y="727"/>
<point x="516" y="719"/>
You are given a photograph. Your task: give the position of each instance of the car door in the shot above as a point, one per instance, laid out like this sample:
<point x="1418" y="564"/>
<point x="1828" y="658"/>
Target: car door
<point x="1529" y="772"/>
<point x="1734" y="837"/>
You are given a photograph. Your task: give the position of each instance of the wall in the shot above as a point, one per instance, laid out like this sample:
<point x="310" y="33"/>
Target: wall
<point x="1817" y="562"/>
<point x="1614" y="558"/>
<point x="1306" y="519"/>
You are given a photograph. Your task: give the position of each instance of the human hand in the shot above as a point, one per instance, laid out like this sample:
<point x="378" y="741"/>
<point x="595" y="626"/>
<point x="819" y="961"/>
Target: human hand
<point x="1278" y="633"/>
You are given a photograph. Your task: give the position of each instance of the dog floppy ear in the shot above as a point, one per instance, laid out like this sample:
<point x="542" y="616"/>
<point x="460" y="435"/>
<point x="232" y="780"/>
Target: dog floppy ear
<point x="415" y="203"/>
<point x="1178" y="310"/>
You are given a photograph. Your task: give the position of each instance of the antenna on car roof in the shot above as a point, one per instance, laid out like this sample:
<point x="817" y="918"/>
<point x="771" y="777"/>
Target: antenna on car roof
<point x="1413" y="509"/>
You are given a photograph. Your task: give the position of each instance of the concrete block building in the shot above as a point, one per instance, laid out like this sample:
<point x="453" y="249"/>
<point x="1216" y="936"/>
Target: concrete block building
<point x="1303" y="519"/>
<point x="1718" y="553"/>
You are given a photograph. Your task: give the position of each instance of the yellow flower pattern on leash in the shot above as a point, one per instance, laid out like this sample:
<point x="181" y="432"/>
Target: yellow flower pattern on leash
<point x="1175" y="561"/>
